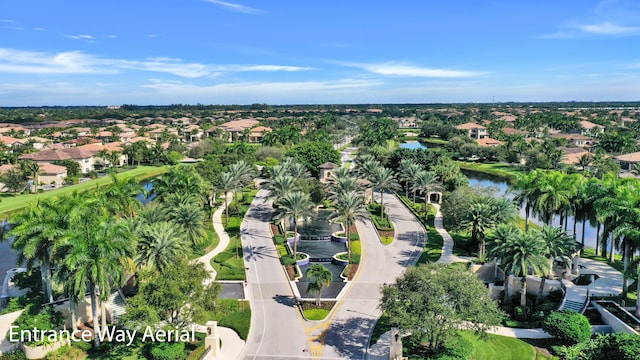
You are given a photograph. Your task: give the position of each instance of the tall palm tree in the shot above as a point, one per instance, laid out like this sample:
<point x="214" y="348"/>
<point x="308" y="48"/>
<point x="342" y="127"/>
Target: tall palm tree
<point x="294" y="205"/>
<point x="520" y="253"/>
<point x="244" y="173"/>
<point x="31" y="168"/>
<point x="349" y="207"/>
<point x="38" y="229"/>
<point x="407" y="172"/>
<point x="320" y="277"/>
<point x="281" y="185"/>
<point x="341" y="184"/>
<point x="527" y="191"/>
<point x="95" y="246"/>
<point x="191" y="219"/>
<point x="296" y="169"/>
<point x="160" y="245"/>
<point x="226" y="183"/>
<point x="383" y="179"/>
<point x="479" y="220"/>
<point x="554" y="196"/>
<point x="425" y="182"/>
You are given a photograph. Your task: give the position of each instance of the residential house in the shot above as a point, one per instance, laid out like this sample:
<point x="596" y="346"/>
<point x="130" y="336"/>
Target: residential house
<point x="587" y="128"/>
<point x="473" y="130"/>
<point x="628" y="161"/>
<point x="50" y="174"/>
<point x="489" y="142"/>
<point x="576" y="140"/>
<point x="257" y="133"/>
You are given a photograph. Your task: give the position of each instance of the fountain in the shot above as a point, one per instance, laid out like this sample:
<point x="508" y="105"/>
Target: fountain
<point x="317" y="238"/>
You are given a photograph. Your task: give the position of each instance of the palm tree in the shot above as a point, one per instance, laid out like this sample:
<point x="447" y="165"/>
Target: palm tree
<point x="160" y="245"/>
<point x="407" y="172"/>
<point x="294" y="205"/>
<point x="281" y="185"/>
<point x="319" y="278"/>
<point x="226" y="183"/>
<point x="295" y="169"/>
<point x="557" y="244"/>
<point x="191" y="219"/>
<point x="31" y="168"/>
<point x="96" y="245"/>
<point x="584" y="161"/>
<point x="37" y="231"/>
<point x="554" y="196"/>
<point x="520" y="253"/>
<point x="425" y="182"/>
<point x="114" y="158"/>
<point x="479" y="219"/>
<point x="244" y="173"/>
<point x="349" y="207"/>
<point x="383" y="179"/>
<point x="341" y="184"/>
<point x="527" y="188"/>
<point x="103" y="155"/>
<point x="121" y="195"/>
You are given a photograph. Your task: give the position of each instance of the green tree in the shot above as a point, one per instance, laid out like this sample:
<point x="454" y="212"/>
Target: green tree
<point x="376" y="131"/>
<point x="526" y="188"/>
<point x="191" y="219"/>
<point x="179" y="296"/>
<point x="313" y="154"/>
<point x="433" y="301"/>
<point x="384" y="179"/>
<point x="14" y="180"/>
<point x="95" y="247"/>
<point x="425" y="182"/>
<point x="321" y="277"/>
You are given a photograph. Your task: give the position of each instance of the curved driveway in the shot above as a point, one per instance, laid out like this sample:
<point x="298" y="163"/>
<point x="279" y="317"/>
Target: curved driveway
<point x="277" y="329"/>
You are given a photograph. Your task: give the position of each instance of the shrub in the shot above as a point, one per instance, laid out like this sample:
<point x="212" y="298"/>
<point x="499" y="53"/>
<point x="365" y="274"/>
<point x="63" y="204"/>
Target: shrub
<point x="288" y="260"/>
<point x="67" y="352"/>
<point x="568" y="326"/>
<point x="168" y="351"/>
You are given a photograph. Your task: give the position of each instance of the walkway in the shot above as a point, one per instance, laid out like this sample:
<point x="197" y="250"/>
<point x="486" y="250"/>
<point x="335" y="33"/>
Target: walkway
<point x="447" y="241"/>
<point x="232" y="344"/>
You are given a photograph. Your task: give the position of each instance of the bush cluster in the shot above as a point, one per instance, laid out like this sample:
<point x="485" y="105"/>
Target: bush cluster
<point x="568" y="326"/>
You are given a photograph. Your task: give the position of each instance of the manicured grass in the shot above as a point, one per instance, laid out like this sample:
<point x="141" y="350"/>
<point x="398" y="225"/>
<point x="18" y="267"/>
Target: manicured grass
<point x="501" y="170"/>
<point x="315" y="314"/>
<point x="229" y="264"/>
<point x="433" y="141"/>
<point x="590" y="253"/>
<point x="382" y="326"/>
<point x="230" y="313"/>
<point x="209" y="243"/>
<point x="9" y="203"/>
<point x="386" y="240"/>
<point x="500" y="347"/>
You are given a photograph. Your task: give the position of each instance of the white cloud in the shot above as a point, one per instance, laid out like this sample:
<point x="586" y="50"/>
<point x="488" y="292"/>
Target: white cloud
<point x="235" y="7"/>
<point x="7" y="21"/>
<point x="607" y="28"/>
<point x="405" y="70"/>
<point x="77" y="62"/>
<point x="39" y="29"/>
<point x="87" y="38"/>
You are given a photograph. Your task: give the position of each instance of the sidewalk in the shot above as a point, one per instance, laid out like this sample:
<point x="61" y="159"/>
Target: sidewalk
<point x="232" y="344"/>
<point x="447" y="256"/>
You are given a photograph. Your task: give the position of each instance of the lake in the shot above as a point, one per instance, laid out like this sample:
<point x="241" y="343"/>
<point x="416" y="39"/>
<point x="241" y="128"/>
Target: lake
<point x="413" y="145"/>
<point x="501" y="187"/>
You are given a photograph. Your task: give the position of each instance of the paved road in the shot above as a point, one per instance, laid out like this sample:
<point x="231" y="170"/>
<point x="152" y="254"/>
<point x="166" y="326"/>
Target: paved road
<point x="348" y="333"/>
<point x="277" y="329"/>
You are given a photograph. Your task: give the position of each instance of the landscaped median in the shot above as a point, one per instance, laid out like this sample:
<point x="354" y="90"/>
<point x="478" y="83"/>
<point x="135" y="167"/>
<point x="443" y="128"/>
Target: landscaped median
<point x="433" y="247"/>
<point x="383" y="225"/>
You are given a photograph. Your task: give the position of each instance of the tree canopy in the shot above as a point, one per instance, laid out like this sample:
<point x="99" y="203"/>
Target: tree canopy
<point x="434" y="301"/>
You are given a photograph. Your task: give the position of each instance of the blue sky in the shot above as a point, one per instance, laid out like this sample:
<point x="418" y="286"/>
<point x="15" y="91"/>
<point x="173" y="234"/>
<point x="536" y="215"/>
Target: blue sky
<point x="313" y="52"/>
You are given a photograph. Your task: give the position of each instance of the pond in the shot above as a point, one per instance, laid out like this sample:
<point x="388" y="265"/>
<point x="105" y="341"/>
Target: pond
<point x="413" y="145"/>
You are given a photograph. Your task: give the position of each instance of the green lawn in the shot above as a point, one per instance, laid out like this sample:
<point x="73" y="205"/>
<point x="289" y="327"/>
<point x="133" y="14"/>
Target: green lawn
<point x="501" y="347"/>
<point x="502" y="170"/>
<point x="315" y="314"/>
<point x="230" y="313"/>
<point x="9" y="203"/>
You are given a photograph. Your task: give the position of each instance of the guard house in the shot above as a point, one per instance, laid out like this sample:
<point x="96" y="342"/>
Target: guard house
<point x="326" y="170"/>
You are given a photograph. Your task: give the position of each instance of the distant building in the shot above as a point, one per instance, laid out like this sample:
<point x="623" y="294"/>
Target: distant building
<point x="473" y="130"/>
